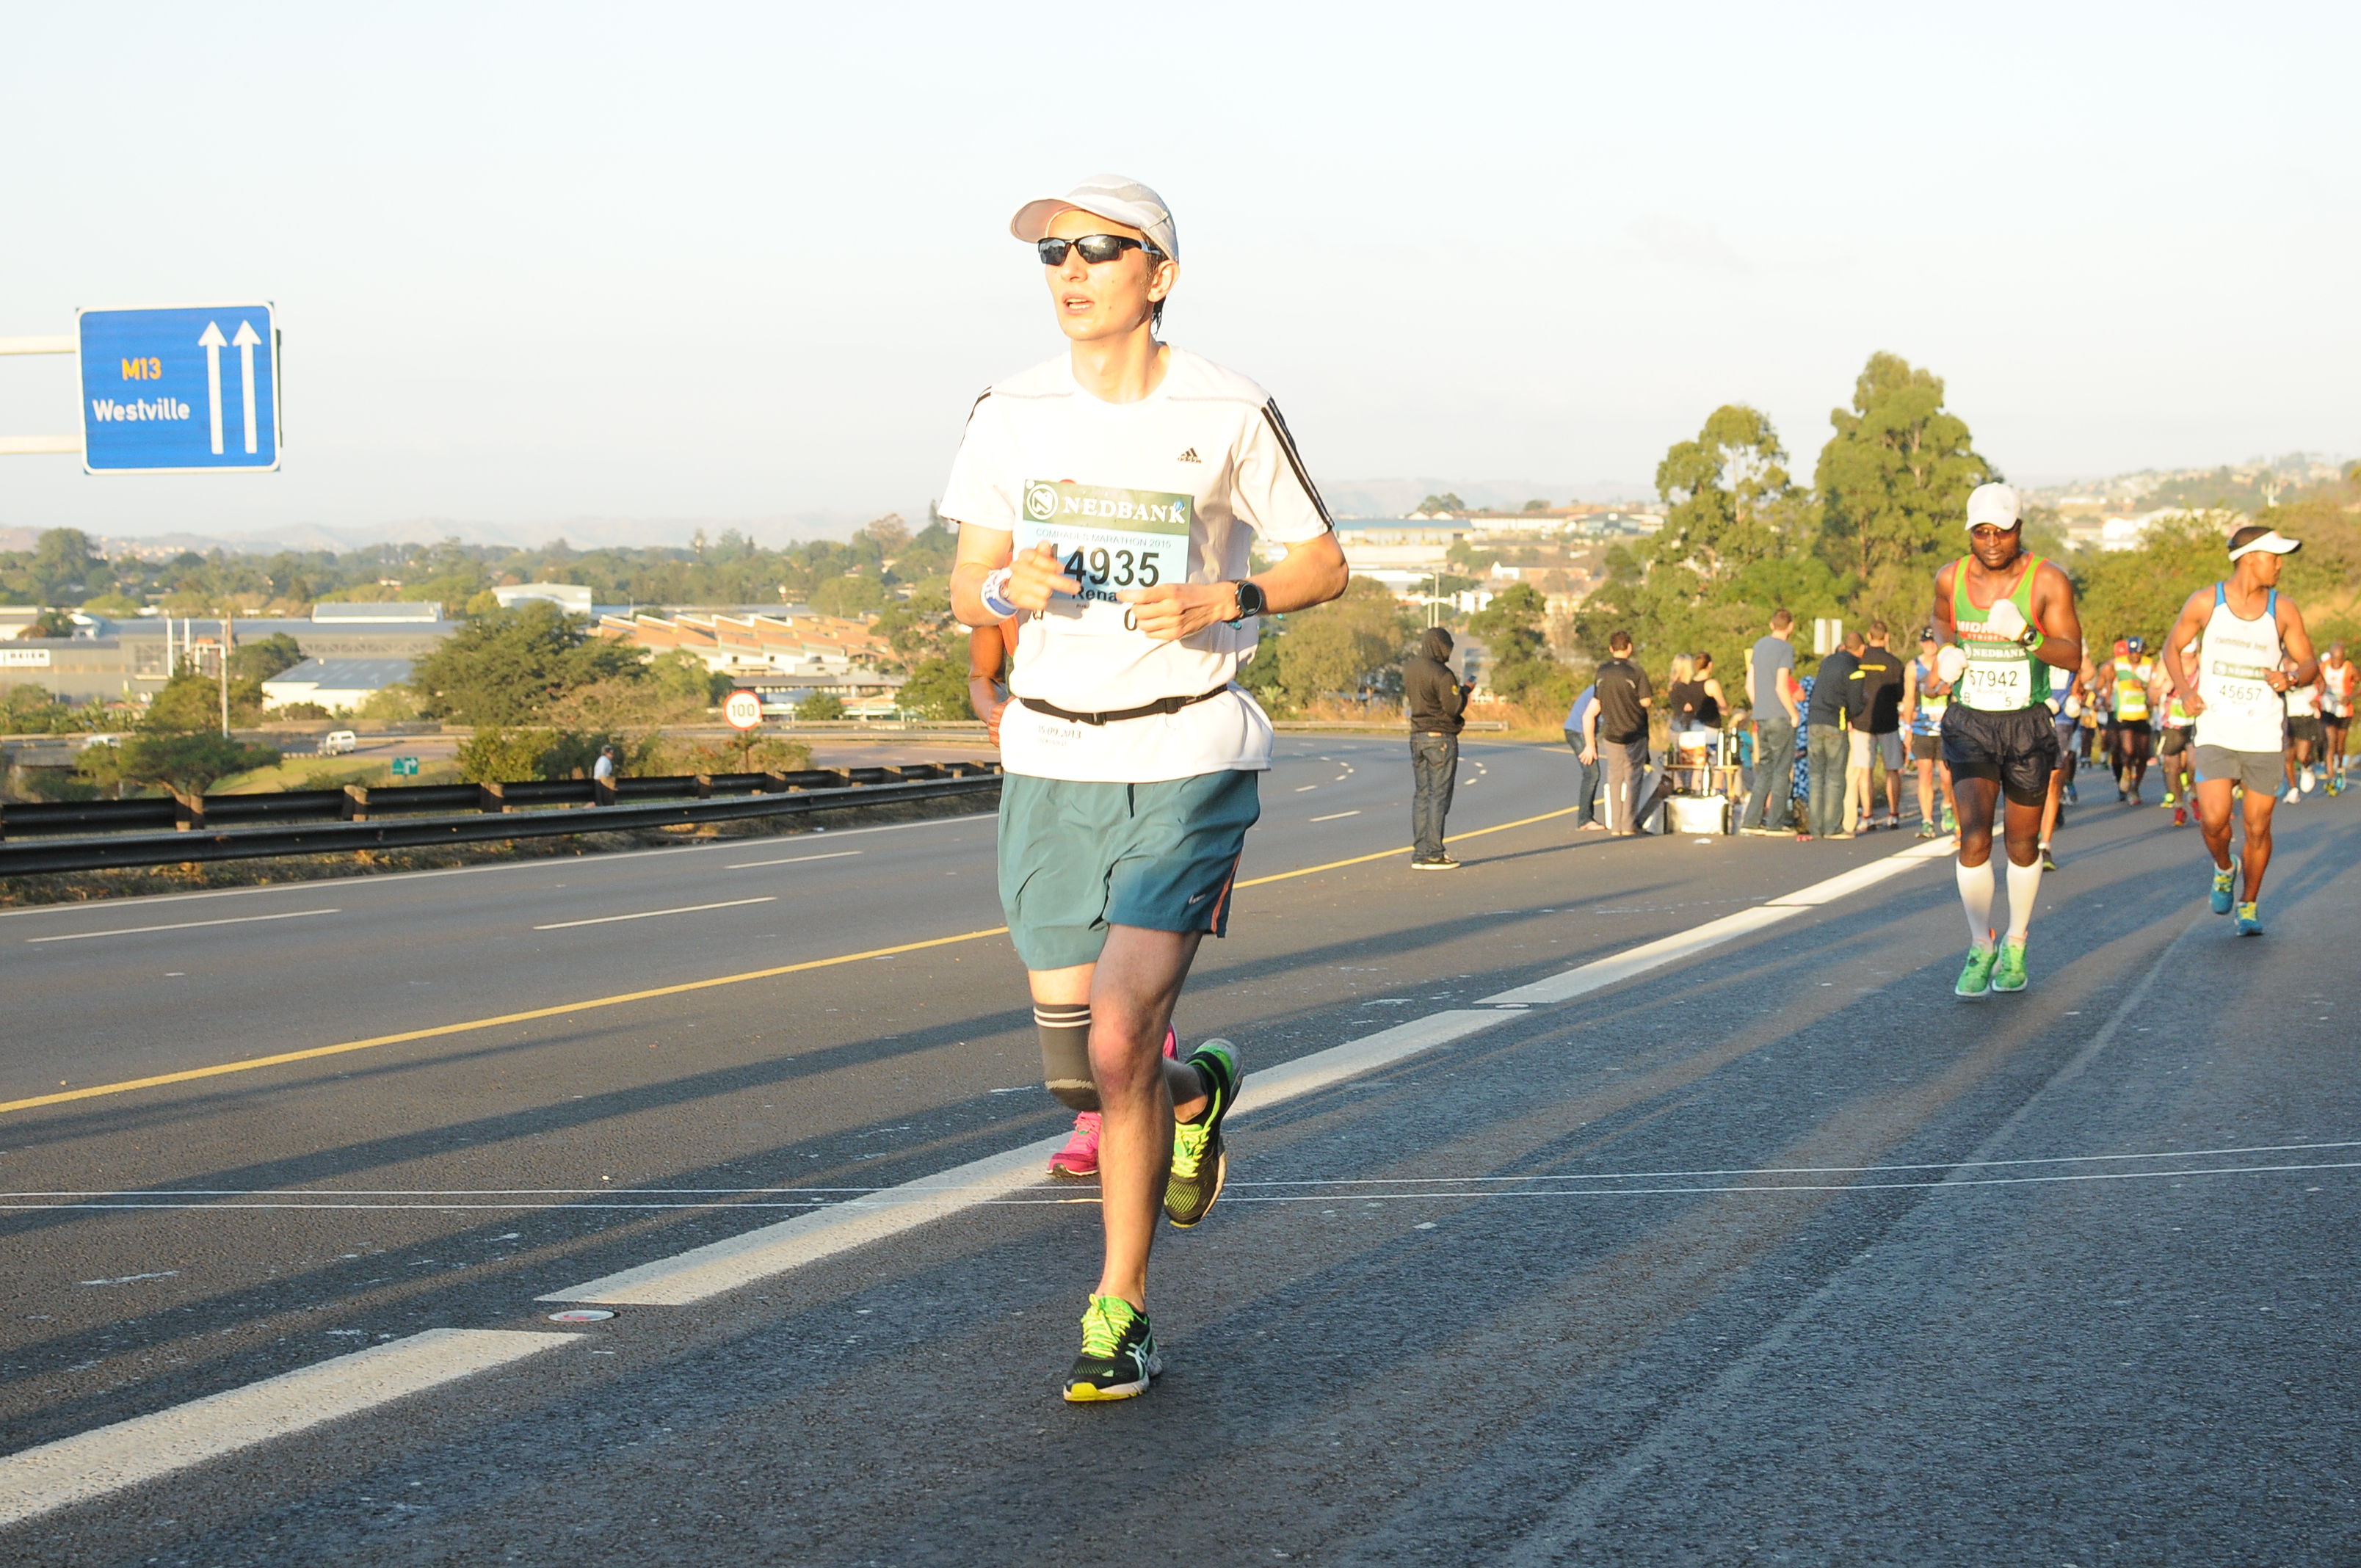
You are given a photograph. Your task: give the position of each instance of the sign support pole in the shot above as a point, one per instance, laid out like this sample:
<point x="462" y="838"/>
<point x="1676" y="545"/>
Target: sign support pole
<point x="32" y="445"/>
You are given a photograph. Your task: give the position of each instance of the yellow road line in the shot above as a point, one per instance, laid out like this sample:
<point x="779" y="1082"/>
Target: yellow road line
<point x="439" y="1030"/>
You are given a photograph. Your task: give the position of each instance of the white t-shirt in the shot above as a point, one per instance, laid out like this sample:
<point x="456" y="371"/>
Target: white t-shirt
<point x="1133" y="494"/>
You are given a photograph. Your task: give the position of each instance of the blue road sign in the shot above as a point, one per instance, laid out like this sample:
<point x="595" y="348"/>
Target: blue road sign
<point x="184" y="389"/>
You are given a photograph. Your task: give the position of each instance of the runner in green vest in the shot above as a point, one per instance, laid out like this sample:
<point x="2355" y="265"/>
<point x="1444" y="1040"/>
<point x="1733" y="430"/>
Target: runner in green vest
<point x="2005" y="618"/>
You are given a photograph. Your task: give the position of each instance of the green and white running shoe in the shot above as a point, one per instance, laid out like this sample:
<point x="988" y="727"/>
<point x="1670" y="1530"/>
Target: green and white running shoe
<point x="2224" y="889"/>
<point x="1975" y="980"/>
<point x="1200" y="1163"/>
<point x="2009" y="973"/>
<point x="1119" y="1358"/>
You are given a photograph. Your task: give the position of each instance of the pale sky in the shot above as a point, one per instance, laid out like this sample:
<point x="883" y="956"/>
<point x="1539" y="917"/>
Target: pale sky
<point x="723" y="262"/>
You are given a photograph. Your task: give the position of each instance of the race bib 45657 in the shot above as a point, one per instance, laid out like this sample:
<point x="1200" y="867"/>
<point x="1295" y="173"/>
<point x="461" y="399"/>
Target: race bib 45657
<point x="1108" y="539"/>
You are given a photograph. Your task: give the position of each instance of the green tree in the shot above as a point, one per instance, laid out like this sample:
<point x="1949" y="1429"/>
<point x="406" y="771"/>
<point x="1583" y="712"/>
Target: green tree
<point x="848" y="596"/>
<point x="820" y="705"/>
<point x="261" y="659"/>
<point x="1351" y="644"/>
<point x="1724" y="490"/>
<point x="26" y="709"/>
<point x="1512" y="627"/>
<point x="937" y="688"/>
<point x="1445" y="502"/>
<point x="190" y="703"/>
<point x="1895" y="478"/>
<point x="190" y="764"/>
<point x="499" y="754"/>
<point x="63" y="564"/>
<point x="505" y="668"/>
<point x="52" y="623"/>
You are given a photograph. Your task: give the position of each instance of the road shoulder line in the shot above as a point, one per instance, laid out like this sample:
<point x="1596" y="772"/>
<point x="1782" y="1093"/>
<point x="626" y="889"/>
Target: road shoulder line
<point x="92" y="1464"/>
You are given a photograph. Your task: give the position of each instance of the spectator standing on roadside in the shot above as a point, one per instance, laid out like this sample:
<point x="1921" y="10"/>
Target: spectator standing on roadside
<point x="1587" y="782"/>
<point x="1438" y="707"/>
<point x="1828" y="732"/>
<point x="1617" y="729"/>
<point x="602" y="772"/>
<point x="1877" y="731"/>
<point x="1770" y="698"/>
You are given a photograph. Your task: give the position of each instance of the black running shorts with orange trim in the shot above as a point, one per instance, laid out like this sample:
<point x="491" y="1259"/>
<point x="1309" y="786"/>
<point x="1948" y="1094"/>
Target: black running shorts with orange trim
<point x="2016" y="750"/>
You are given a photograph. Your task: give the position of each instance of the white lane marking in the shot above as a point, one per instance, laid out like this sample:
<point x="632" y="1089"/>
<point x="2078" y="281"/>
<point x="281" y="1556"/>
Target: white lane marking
<point x="708" y="1270"/>
<point x="183" y="925"/>
<point x="95" y="1463"/>
<point x="131" y="1279"/>
<point x="651" y="914"/>
<point x="1371" y="1190"/>
<point x="1335" y="816"/>
<point x="1939" y="1185"/>
<point x="1301" y="788"/>
<point x="794" y="860"/>
<point x="1604" y="972"/>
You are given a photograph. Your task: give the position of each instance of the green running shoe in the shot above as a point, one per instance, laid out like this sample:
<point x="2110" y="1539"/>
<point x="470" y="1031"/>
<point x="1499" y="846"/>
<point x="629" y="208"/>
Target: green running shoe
<point x="2009" y="973"/>
<point x="1925" y="829"/>
<point x="2224" y="889"/>
<point x="1975" y="980"/>
<point x="1119" y="1357"/>
<point x="1200" y="1163"/>
<point x="1951" y="820"/>
<point x="2249" y="924"/>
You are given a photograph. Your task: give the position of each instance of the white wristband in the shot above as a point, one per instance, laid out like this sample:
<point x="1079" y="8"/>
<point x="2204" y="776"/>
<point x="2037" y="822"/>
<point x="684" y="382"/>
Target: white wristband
<point x="995" y="594"/>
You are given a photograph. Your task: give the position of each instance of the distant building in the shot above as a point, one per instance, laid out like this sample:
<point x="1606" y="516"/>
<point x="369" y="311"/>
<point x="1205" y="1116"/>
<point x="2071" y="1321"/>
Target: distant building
<point x="572" y="598"/>
<point x="752" y="644"/>
<point x="337" y="685"/>
<point x="130" y="660"/>
<point x="399" y="611"/>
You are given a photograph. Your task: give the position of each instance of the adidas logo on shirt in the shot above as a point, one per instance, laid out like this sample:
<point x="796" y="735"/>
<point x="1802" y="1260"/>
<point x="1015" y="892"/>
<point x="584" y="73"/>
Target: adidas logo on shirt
<point x="1191" y="456"/>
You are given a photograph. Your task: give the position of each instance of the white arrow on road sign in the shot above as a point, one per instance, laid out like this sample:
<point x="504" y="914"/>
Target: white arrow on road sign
<point x="213" y="342"/>
<point x="246" y="339"/>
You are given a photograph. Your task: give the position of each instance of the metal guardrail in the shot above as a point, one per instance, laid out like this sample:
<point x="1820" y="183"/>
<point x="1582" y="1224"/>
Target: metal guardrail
<point x="397" y="817"/>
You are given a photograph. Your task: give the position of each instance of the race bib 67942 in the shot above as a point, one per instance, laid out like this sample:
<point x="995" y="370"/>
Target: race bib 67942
<point x="1107" y="539"/>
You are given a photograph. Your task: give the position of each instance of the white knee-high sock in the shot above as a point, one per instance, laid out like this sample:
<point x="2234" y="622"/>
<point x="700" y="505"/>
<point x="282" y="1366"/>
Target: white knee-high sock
<point x="1976" y="893"/>
<point x="2023" y="881"/>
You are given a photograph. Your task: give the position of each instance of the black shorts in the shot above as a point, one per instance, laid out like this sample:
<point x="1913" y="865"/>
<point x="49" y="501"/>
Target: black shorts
<point x="2174" y="742"/>
<point x="2305" y="727"/>
<point x="1925" y="748"/>
<point x="2017" y="751"/>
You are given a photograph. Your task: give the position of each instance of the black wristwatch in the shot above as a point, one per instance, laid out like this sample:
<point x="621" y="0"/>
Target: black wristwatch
<point x="1252" y="600"/>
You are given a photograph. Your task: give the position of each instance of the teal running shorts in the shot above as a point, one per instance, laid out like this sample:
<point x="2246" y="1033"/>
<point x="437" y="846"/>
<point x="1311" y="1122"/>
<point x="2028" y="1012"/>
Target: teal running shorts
<point x="1076" y="858"/>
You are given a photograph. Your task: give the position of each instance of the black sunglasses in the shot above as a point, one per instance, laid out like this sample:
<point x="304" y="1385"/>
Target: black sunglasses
<point x="1095" y="249"/>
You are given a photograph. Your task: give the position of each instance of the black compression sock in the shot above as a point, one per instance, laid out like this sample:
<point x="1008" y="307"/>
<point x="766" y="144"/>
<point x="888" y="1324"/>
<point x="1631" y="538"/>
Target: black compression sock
<point x="1065" y="1030"/>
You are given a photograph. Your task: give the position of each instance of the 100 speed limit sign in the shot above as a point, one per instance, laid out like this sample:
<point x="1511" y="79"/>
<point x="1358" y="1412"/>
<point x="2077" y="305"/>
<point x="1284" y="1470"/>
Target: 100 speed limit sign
<point x="743" y="709"/>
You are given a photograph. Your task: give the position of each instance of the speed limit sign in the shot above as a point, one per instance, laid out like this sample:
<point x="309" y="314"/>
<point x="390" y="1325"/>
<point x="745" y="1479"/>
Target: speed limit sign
<point x="743" y="709"/>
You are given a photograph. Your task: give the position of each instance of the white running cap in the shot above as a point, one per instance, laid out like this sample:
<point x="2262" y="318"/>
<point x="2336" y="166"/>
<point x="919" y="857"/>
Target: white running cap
<point x="1993" y="504"/>
<point x="2272" y="543"/>
<point x="1124" y="201"/>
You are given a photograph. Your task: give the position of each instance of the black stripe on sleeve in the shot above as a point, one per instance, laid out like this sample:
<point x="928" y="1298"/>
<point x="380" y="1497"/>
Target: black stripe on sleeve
<point x="973" y="406"/>
<point x="1278" y="423"/>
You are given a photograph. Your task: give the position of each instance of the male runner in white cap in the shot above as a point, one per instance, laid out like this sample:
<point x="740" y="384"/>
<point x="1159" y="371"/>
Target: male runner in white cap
<point x="1106" y="500"/>
<point x="2336" y="693"/>
<point x="2247" y="630"/>
<point x="2006" y="619"/>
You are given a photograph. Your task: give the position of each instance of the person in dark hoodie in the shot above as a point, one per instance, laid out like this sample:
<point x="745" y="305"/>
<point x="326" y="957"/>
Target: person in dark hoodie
<point x="1437" y="700"/>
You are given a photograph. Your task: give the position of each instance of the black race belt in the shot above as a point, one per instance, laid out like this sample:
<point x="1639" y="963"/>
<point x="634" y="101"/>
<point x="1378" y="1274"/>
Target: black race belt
<point x="1145" y="710"/>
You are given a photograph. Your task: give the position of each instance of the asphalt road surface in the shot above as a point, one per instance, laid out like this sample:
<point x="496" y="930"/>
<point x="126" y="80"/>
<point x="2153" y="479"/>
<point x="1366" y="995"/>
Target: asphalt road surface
<point x="1575" y="1223"/>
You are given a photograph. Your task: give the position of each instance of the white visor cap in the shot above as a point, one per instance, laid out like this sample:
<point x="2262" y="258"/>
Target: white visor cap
<point x="1993" y="504"/>
<point x="1110" y="196"/>
<point x="2270" y="544"/>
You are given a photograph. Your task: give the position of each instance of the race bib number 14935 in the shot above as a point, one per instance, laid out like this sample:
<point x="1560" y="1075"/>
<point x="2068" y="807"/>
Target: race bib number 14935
<point x="1107" y="539"/>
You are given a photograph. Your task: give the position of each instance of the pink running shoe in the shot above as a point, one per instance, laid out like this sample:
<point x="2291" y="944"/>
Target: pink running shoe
<point x="1080" y="1158"/>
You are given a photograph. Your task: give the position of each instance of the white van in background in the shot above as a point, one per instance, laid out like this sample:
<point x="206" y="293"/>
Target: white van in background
<point x="339" y="743"/>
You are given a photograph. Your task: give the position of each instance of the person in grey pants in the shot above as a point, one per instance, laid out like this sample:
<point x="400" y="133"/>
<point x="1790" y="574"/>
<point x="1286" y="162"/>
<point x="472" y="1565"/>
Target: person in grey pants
<point x="1616" y="727"/>
<point x="1771" y="697"/>
<point x="1437" y="701"/>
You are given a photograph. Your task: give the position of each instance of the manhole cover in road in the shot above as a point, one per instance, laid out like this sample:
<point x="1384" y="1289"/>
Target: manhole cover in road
<point x="581" y="1315"/>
